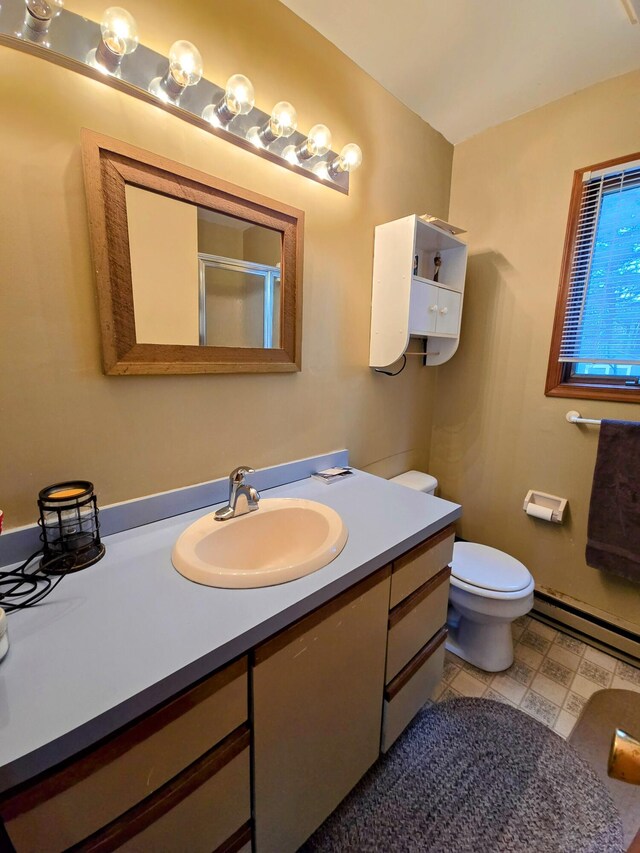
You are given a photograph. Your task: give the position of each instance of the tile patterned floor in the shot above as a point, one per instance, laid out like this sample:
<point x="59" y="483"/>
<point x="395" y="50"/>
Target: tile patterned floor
<point x="551" y="678"/>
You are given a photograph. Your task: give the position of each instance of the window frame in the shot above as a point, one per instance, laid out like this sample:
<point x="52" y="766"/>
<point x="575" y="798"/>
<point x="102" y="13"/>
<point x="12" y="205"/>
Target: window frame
<point x="560" y="380"/>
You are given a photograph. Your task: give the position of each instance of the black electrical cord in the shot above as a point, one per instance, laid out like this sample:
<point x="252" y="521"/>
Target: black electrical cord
<point x="388" y="373"/>
<point x="20" y="589"/>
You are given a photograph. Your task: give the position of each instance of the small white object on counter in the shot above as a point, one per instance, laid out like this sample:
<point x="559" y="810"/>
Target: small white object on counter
<point x="332" y="475"/>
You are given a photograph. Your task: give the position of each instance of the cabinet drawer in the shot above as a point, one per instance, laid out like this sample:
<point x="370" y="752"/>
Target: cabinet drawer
<point x="413" y="622"/>
<point x="415" y="568"/>
<point x="411" y="688"/>
<point x="207" y="807"/>
<point x="88" y="793"/>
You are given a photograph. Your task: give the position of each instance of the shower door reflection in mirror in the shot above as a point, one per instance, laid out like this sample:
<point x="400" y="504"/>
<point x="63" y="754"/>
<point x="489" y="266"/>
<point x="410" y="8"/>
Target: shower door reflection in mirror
<point x="239" y="282"/>
<point x="239" y="303"/>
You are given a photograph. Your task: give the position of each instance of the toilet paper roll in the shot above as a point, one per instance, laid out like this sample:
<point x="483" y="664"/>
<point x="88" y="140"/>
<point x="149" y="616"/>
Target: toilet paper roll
<point x="538" y="511"/>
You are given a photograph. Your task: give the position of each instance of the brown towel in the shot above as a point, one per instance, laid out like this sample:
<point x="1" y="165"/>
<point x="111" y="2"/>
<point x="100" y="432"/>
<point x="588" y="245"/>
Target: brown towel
<point x="613" y="535"/>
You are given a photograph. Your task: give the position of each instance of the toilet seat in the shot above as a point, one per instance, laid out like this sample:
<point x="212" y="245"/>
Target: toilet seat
<point x="488" y="572"/>
<point x="491" y="593"/>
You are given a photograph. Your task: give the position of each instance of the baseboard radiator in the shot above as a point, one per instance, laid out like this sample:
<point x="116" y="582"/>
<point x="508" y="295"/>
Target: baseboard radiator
<point x="611" y="638"/>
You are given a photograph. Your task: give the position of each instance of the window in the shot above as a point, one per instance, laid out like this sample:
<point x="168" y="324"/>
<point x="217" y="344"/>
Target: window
<point x="595" y="349"/>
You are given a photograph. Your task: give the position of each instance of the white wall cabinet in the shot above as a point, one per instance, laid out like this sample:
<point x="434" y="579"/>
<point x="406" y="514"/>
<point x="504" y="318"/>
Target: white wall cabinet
<point x="406" y="300"/>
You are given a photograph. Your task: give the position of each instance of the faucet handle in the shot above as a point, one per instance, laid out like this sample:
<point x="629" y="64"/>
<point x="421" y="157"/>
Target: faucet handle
<point x="238" y="474"/>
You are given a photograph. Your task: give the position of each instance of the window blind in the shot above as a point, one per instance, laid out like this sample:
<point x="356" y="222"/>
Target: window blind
<point x="602" y="316"/>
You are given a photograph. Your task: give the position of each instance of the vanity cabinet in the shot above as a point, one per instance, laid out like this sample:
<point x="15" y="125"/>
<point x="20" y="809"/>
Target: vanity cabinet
<point x="317" y="702"/>
<point x="407" y="300"/>
<point x="183" y="763"/>
<point x="208" y="771"/>
<point x="417" y="631"/>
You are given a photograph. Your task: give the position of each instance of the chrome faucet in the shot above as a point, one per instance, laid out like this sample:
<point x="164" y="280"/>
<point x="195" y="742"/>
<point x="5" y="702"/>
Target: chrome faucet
<point x="247" y="496"/>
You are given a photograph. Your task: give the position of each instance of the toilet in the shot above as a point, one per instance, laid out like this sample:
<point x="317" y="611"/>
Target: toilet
<point x="488" y="590"/>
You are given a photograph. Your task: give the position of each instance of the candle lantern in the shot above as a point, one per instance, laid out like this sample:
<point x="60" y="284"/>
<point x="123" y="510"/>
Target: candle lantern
<point x="70" y="528"/>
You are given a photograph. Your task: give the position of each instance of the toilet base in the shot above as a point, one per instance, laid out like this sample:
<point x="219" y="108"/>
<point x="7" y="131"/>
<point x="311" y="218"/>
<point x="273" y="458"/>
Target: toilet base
<point x="487" y="646"/>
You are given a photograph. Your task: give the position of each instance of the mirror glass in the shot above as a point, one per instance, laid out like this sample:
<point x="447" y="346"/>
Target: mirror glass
<point x="194" y="274"/>
<point x="200" y="277"/>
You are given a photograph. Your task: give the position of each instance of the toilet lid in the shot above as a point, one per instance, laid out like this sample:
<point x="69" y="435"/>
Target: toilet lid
<point x="417" y="480"/>
<point x="488" y="568"/>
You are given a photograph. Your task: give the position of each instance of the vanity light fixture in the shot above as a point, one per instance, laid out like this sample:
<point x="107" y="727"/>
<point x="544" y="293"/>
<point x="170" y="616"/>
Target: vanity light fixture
<point x="119" y="37"/>
<point x="282" y="122"/>
<point x="317" y="144"/>
<point x="98" y="50"/>
<point x="239" y="98"/>
<point x="39" y="14"/>
<point x="185" y="69"/>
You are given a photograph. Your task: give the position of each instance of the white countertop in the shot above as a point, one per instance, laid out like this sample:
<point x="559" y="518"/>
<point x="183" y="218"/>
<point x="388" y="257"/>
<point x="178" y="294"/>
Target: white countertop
<point x="114" y="640"/>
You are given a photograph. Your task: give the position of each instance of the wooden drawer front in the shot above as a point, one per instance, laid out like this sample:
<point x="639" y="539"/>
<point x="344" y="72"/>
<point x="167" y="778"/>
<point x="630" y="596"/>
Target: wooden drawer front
<point x="87" y="794"/>
<point x="416" y="620"/>
<point x="411" y="688"/>
<point x="415" y="568"/>
<point x="207" y="807"/>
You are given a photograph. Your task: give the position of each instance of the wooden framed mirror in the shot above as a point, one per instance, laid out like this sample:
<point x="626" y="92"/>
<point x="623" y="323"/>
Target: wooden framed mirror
<point x="194" y="275"/>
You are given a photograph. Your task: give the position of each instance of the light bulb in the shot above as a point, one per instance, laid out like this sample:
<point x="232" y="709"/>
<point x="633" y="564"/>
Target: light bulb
<point x="40" y="13"/>
<point x="290" y="155"/>
<point x="253" y="136"/>
<point x="239" y="96"/>
<point x="321" y="170"/>
<point x="284" y="120"/>
<point x="238" y="100"/>
<point x="119" y="38"/>
<point x="317" y="143"/>
<point x="185" y="64"/>
<point x="349" y="159"/>
<point x="185" y="69"/>
<point x="281" y="124"/>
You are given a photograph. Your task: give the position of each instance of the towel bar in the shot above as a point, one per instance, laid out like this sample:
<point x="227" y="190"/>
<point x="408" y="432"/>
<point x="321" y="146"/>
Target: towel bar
<point x="574" y="418"/>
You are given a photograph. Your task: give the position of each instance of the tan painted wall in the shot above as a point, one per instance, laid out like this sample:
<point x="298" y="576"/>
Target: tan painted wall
<point x="495" y="434"/>
<point x="163" y="247"/>
<point x="61" y="417"/>
<point x="262" y="246"/>
<point x="217" y="239"/>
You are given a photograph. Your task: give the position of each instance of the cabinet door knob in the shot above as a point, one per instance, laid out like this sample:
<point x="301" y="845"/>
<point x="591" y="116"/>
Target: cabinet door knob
<point x="444" y="310"/>
<point x="433" y="308"/>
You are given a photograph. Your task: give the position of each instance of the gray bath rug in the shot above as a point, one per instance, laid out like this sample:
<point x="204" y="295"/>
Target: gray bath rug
<point x="475" y="776"/>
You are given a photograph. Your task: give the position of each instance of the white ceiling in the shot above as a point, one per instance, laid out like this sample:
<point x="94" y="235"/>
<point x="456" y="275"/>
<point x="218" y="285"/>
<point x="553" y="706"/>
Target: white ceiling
<point x="465" y="65"/>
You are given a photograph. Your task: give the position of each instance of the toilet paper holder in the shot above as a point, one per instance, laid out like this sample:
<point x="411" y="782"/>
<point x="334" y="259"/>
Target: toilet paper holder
<point x="545" y="506"/>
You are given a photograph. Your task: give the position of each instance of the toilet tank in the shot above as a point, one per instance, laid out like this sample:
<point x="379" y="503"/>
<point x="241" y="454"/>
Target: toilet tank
<point x="417" y="480"/>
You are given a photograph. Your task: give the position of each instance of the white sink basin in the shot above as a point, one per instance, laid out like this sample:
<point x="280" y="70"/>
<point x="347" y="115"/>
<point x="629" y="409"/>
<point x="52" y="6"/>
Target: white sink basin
<point x="282" y="540"/>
